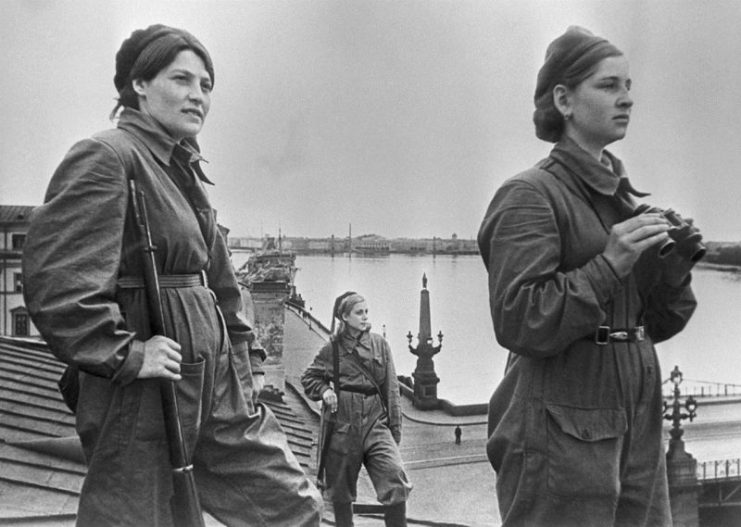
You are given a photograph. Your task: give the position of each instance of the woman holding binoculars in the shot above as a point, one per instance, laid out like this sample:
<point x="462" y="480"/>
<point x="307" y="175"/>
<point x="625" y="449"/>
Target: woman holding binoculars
<point x="579" y="294"/>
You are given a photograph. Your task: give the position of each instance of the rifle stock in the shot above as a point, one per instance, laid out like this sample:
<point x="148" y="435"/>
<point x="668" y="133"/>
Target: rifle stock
<point x="185" y="505"/>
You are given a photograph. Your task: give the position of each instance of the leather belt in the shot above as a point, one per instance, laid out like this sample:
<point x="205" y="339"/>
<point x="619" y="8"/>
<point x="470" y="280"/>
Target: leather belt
<point x="365" y="391"/>
<point x="166" y="280"/>
<point x="605" y="334"/>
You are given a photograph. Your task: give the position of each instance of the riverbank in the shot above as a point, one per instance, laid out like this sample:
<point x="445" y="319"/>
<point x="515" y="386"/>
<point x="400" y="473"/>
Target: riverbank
<point x="726" y="268"/>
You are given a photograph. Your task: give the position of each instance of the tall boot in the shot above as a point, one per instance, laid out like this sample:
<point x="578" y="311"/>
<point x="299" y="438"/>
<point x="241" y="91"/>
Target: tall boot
<point x="396" y="515"/>
<point x="342" y="514"/>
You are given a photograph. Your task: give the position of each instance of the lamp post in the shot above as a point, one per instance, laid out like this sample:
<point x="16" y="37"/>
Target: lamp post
<point x="681" y="467"/>
<point x="676" y="416"/>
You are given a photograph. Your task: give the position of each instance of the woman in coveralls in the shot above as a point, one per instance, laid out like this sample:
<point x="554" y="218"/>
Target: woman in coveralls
<point x="84" y="288"/>
<point x="579" y="296"/>
<point x="368" y="413"/>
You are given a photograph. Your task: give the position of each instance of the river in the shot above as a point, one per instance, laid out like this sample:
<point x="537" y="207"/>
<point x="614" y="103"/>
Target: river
<point x="470" y="362"/>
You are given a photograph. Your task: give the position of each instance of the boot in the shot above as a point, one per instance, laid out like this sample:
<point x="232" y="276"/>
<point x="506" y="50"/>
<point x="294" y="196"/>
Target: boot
<point x="396" y="515"/>
<point x="342" y="514"/>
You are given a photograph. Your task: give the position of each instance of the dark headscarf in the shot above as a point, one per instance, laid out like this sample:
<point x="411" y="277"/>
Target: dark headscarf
<point x="569" y="60"/>
<point x="148" y="51"/>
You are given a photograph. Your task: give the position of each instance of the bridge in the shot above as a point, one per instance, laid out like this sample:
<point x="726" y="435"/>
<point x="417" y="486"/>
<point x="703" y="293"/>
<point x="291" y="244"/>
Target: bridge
<point x="704" y="389"/>
<point x="720" y="482"/>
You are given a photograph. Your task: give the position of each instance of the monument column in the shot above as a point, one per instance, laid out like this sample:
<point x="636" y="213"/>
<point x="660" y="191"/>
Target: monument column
<point x="425" y="378"/>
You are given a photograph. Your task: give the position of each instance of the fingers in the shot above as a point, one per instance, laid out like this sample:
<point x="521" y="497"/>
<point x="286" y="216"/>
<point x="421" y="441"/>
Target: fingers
<point x="162" y="359"/>
<point x="330" y="399"/>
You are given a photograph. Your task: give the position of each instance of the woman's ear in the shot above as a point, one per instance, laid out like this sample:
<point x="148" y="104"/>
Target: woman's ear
<point x="562" y="100"/>
<point x="139" y="87"/>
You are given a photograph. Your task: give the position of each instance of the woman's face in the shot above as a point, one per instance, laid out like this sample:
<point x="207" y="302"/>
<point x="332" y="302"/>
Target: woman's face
<point x="600" y="105"/>
<point x="357" y="318"/>
<point x="179" y="97"/>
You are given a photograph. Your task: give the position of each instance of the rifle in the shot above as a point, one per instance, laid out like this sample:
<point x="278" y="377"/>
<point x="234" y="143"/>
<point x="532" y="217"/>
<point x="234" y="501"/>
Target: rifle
<point x="328" y="419"/>
<point x="186" y="508"/>
<point x="327" y="422"/>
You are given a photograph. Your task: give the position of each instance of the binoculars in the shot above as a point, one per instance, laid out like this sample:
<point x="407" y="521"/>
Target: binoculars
<point x="682" y="236"/>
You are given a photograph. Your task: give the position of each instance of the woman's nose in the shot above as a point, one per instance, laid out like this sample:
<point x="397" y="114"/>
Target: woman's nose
<point x="196" y="93"/>
<point x="625" y="100"/>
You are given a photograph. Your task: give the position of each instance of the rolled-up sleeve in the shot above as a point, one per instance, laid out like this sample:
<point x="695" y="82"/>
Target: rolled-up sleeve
<point x="71" y="261"/>
<point x="537" y="308"/>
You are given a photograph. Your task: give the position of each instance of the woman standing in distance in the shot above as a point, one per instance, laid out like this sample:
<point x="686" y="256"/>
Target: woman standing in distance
<point x="368" y="413"/>
<point x="579" y="295"/>
<point x="84" y="288"/>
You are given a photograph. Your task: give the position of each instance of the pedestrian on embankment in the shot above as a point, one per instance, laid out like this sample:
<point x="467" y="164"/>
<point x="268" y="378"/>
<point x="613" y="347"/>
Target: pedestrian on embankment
<point x="84" y="286"/>
<point x="361" y="398"/>
<point x="579" y="295"/>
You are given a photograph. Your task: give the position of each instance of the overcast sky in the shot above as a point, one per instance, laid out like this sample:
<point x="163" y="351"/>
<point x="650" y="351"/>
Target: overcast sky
<point x="398" y="117"/>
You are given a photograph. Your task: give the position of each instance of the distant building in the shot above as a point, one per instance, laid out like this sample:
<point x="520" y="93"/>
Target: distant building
<point x="14" y="319"/>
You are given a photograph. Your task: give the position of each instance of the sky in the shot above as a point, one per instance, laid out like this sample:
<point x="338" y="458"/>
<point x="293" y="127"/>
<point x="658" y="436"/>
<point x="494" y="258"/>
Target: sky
<point x="398" y="118"/>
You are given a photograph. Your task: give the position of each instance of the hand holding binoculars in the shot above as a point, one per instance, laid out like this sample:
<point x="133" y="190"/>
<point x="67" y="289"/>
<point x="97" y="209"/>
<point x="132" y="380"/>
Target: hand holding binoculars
<point x="683" y="236"/>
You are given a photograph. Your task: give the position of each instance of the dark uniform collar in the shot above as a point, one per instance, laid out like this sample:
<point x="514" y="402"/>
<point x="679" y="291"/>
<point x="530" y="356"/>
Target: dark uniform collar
<point x="160" y="143"/>
<point x="350" y="342"/>
<point x="603" y="177"/>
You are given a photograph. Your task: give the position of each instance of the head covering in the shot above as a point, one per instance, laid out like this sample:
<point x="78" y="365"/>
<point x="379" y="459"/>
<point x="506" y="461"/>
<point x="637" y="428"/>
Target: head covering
<point x="569" y="60"/>
<point x="149" y="50"/>
<point x="343" y="303"/>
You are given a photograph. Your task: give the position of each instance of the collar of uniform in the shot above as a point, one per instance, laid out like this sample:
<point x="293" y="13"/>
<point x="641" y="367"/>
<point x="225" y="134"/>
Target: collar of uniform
<point x="363" y="341"/>
<point x="603" y="178"/>
<point x="158" y="141"/>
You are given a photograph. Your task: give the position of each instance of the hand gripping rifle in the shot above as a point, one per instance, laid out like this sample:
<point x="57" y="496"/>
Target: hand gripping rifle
<point x="186" y="508"/>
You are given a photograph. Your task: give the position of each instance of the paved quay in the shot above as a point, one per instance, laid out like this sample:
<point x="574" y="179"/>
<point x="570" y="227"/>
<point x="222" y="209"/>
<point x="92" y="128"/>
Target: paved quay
<point x="453" y="483"/>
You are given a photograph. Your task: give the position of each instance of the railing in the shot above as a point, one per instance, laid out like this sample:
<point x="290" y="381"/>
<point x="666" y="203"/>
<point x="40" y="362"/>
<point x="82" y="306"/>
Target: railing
<point x="703" y="389"/>
<point x="725" y="469"/>
<point x="311" y="321"/>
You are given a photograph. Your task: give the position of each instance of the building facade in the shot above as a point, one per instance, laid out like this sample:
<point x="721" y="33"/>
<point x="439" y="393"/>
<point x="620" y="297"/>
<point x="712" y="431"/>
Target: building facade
<point x="14" y="319"/>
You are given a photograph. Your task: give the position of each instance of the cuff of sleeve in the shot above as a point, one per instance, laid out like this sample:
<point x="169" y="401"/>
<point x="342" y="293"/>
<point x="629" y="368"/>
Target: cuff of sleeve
<point x="131" y="365"/>
<point x="678" y="287"/>
<point x="257" y="356"/>
<point x="671" y="291"/>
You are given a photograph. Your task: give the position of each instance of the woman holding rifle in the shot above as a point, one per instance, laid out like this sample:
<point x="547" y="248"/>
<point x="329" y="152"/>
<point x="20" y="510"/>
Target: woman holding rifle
<point x="354" y="376"/>
<point x="85" y="289"/>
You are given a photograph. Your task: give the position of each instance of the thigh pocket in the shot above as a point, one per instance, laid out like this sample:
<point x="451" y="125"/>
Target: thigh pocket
<point x="189" y="392"/>
<point x="584" y="447"/>
<point x="341" y="439"/>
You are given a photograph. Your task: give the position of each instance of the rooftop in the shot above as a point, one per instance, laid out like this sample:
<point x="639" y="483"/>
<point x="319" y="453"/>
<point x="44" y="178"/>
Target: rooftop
<point x="41" y="462"/>
<point x="15" y="213"/>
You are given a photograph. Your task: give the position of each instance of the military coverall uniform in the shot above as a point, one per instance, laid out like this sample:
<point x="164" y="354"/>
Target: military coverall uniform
<point x="575" y="426"/>
<point x="83" y="288"/>
<point x="363" y="433"/>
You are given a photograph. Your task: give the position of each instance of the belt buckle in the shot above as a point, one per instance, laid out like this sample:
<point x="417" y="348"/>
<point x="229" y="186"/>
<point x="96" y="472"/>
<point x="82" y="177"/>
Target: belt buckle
<point x="204" y="278"/>
<point x="640" y="333"/>
<point x="620" y="336"/>
<point x="602" y="335"/>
